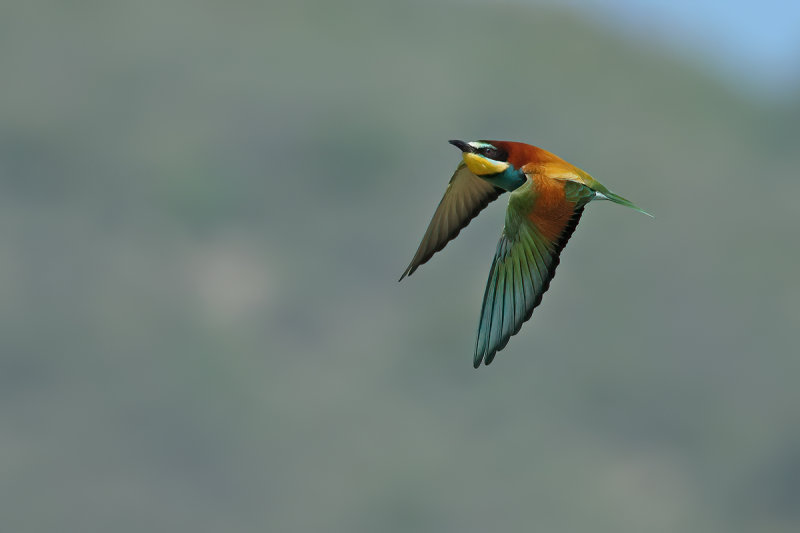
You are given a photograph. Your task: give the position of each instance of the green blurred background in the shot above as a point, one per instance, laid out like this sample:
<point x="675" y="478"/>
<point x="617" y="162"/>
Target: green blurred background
<point x="204" y="209"/>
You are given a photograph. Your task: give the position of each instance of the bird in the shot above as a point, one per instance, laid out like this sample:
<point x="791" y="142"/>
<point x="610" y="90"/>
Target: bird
<point x="547" y="196"/>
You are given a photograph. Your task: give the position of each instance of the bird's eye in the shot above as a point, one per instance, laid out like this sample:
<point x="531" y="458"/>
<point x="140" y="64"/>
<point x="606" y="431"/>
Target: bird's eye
<point x="493" y="153"/>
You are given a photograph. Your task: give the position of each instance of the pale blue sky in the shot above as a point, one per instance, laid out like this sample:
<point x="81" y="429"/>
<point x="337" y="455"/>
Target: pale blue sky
<point x="755" y="43"/>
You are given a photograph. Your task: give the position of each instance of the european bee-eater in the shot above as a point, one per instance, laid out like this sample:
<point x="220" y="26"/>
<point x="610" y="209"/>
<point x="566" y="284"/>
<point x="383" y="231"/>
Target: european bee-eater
<point x="546" y="202"/>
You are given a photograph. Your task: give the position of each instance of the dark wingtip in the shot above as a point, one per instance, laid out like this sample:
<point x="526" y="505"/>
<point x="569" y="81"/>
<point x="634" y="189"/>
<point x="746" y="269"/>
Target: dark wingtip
<point x="408" y="272"/>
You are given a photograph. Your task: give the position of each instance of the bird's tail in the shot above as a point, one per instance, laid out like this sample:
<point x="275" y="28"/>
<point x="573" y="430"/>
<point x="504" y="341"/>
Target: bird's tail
<point x="617" y="199"/>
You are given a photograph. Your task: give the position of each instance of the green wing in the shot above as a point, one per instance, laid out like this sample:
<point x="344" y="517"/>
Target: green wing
<point x="523" y="266"/>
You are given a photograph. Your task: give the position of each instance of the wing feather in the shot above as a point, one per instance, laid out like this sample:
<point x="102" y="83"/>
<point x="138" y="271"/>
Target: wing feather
<point x="523" y="266"/>
<point x="465" y="197"/>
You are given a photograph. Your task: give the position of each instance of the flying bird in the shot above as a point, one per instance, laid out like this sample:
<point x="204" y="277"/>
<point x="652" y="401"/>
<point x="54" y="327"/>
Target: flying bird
<point x="546" y="200"/>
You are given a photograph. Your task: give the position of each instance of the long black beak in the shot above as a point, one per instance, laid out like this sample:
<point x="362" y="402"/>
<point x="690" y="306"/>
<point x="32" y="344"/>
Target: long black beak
<point x="461" y="145"/>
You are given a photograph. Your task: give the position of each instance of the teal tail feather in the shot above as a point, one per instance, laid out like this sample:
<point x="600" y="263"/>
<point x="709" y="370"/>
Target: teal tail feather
<point x="617" y="199"/>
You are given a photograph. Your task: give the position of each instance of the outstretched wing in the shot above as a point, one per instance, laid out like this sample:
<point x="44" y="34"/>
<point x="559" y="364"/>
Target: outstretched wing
<point x="465" y="197"/>
<point x="539" y="222"/>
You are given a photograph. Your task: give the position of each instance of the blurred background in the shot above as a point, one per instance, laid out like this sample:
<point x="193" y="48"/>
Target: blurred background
<point x="205" y="208"/>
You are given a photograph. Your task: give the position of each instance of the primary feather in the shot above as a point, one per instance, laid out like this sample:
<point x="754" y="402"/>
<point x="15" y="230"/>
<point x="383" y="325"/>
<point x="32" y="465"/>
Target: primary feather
<point x="526" y="259"/>
<point x="465" y="197"/>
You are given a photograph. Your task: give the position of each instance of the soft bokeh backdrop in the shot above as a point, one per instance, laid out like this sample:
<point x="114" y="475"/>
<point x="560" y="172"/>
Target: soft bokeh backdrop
<point x="204" y="209"/>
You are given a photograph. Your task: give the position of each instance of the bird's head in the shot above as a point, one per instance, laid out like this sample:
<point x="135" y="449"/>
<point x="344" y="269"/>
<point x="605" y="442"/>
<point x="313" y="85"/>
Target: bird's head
<point x="489" y="160"/>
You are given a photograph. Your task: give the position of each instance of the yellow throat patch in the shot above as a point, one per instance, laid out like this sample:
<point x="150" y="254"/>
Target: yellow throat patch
<point x="480" y="166"/>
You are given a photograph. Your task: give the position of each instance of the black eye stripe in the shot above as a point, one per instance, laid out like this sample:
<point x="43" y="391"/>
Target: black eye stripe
<point x="493" y="153"/>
